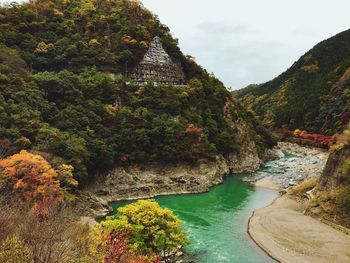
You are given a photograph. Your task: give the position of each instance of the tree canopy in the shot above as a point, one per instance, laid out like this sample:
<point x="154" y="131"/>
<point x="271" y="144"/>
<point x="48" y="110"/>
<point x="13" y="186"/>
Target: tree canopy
<point x="152" y="230"/>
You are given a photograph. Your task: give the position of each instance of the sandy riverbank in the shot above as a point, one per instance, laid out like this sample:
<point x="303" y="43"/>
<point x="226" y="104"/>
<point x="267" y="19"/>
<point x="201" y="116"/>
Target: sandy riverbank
<point x="281" y="229"/>
<point x="267" y="182"/>
<point x="287" y="235"/>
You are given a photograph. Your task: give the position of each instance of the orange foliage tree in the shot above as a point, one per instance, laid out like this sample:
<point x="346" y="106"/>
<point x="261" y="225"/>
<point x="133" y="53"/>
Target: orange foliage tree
<point x="194" y="132"/>
<point x="297" y="132"/>
<point x="30" y="178"/>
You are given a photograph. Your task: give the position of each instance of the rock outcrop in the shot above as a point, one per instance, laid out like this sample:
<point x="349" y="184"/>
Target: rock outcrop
<point x="137" y="181"/>
<point x="332" y="175"/>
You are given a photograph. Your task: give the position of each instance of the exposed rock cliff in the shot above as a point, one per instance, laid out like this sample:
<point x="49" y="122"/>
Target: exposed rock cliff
<point x="148" y="181"/>
<point x="333" y="174"/>
<point x="133" y="182"/>
<point x="331" y="197"/>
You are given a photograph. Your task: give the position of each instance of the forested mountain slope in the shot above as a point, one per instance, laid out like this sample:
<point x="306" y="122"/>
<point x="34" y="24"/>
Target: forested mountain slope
<point x="312" y="95"/>
<point x="63" y="93"/>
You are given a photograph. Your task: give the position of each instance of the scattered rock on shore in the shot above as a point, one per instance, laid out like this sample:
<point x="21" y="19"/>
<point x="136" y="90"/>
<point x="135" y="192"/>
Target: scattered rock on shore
<point x="296" y="163"/>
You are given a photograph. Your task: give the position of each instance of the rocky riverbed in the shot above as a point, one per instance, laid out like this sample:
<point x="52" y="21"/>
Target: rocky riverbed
<point x="295" y="164"/>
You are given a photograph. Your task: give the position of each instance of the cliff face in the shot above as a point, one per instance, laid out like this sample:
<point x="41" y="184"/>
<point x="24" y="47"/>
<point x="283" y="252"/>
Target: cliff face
<point x="333" y="174"/>
<point x="137" y="181"/>
<point x="331" y="197"/>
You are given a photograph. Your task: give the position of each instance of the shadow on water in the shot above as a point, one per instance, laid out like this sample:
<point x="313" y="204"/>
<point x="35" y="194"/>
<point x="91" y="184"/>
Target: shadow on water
<point x="217" y="220"/>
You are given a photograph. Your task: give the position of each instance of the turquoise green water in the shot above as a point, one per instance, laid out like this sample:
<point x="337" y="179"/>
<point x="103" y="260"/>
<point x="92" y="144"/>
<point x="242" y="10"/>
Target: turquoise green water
<point x="217" y="221"/>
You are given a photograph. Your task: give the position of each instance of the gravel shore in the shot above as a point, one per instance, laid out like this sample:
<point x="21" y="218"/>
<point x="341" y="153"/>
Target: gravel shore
<point x="296" y="163"/>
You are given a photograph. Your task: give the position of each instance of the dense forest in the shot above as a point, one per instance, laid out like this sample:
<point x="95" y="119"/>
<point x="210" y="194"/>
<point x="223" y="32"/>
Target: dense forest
<point x="63" y="93"/>
<point x="312" y="95"/>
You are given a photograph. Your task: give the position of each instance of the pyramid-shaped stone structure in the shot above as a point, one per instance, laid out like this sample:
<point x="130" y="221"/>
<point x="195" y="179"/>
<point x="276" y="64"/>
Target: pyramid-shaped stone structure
<point x="157" y="67"/>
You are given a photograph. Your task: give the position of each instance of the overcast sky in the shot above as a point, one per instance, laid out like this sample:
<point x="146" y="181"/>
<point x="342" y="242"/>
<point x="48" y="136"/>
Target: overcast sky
<point x="250" y="41"/>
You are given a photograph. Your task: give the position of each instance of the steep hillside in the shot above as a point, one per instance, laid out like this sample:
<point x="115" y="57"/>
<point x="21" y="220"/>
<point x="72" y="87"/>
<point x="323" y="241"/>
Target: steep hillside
<point x="313" y="95"/>
<point x="63" y="92"/>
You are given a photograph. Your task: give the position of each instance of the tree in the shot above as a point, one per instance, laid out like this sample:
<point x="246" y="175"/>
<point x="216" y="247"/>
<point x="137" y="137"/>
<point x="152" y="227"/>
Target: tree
<point x="30" y="177"/>
<point x="153" y="230"/>
<point x="5" y="148"/>
<point x="67" y="145"/>
<point x="226" y="142"/>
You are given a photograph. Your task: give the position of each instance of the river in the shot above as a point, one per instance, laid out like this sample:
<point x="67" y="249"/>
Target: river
<point x="217" y="221"/>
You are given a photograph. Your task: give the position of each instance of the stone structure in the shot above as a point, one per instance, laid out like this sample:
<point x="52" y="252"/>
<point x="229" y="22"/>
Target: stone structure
<point x="157" y="67"/>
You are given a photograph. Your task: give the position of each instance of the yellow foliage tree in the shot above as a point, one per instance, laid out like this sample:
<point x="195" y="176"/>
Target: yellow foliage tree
<point x="153" y="230"/>
<point x="94" y="43"/>
<point x="43" y="48"/>
<point x="87" y="7"/>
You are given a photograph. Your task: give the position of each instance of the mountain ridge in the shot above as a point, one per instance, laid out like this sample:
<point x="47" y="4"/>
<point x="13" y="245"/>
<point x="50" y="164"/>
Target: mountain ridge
<point x="313" y="94"/>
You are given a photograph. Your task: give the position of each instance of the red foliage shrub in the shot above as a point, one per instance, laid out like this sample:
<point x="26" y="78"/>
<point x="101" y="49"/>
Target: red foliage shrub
<point x="120" y="252"/>
<point x="305" y="138"/>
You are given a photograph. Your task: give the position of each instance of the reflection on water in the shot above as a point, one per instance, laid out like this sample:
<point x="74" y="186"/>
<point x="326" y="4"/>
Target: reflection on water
<point x="217" y="221"/>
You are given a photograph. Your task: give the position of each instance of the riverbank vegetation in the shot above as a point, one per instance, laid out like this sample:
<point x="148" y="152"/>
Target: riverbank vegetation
<point x="38" y="225"/>
<point x="148" y="230"/>
<point x="305" y="138"/>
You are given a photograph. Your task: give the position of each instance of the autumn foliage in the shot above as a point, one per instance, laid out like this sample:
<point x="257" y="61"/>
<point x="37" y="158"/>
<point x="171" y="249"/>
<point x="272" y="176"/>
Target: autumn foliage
<point x="119" y="250"/>
<point x="194" y="132"/>
<point x="29" y="178"/>
<point x="303" y="137"/>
